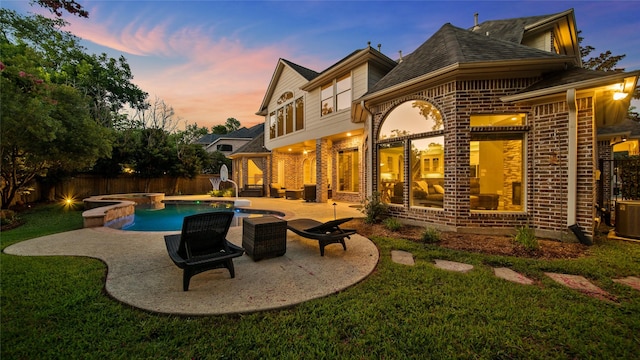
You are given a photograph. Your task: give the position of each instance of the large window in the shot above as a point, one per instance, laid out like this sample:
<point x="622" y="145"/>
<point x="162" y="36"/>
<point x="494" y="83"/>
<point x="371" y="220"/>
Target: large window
<point x="415" y="128"/>
<point x="254" y="171"/>
<point x="336" y="95"/>
<point x="348" y="170"/>
<point x="288" y="117"/>
<point x="496" y="155"/>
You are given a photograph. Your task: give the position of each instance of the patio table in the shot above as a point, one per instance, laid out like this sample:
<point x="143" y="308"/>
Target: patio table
<point x="264" y="237"/>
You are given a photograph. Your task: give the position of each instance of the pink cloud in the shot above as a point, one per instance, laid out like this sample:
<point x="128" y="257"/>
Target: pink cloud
<point x="209" y="78"/>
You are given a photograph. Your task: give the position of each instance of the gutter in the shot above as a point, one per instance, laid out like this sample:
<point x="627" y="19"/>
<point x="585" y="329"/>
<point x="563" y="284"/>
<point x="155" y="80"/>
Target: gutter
<point x="572" y="161"/>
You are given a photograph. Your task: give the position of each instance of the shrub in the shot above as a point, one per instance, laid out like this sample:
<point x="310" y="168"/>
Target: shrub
<point x="373" y="208"/>
<point x="392" y="224"/>
<point x="526" y="238"/>
<point x="430" y="235"/>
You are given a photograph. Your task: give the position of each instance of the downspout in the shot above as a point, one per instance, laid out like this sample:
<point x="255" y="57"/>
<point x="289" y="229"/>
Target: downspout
<point x="572" y="159"/>
<point x="369" y="159"/>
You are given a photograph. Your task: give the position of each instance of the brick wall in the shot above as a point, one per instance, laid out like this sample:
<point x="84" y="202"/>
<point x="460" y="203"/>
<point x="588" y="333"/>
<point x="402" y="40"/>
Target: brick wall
<point x="545" y="199"/>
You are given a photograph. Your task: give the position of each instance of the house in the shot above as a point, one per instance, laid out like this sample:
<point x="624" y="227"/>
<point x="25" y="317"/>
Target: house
<point x="478" y="130"/>
<point x="228" y="143"/>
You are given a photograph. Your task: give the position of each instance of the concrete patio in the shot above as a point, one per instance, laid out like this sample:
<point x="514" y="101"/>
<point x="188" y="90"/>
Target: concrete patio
<point x="141" y="274"/>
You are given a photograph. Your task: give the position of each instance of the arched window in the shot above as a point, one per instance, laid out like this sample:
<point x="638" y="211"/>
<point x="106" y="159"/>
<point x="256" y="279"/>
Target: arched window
<point x="288" y="117"/>
<point x="412" y="137"/>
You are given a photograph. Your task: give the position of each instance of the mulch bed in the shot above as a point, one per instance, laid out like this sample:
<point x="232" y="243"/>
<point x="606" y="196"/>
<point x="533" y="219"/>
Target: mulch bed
<point x="486" y="244"/>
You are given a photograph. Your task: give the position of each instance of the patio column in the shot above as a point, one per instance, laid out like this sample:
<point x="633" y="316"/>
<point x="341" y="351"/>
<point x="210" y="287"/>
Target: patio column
<point x="322" y="171"/>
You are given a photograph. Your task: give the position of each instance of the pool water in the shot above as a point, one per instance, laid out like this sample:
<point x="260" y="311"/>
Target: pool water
<point x="171" y="216"/>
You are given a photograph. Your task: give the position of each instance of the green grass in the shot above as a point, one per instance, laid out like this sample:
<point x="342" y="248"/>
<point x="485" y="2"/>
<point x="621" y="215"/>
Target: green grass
<point x="55" y="307"/>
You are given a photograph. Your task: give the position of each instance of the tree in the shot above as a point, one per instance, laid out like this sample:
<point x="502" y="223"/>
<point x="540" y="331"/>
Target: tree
<point x="219" y="129"/>
<point x="106" y="81"/>
<point x="606" y="62"/>
<point x="232" y="125"/>
<point x="45" y="126"/>
<point x="55" y="6"/>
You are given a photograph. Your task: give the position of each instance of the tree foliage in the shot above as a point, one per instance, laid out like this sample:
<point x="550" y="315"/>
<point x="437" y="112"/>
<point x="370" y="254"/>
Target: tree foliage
<point x="56" y="7"/>
<point x="45" y="126"/>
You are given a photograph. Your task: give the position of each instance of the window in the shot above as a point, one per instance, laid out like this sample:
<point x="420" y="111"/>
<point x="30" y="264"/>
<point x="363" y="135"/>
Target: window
<point x="336" y="95"/>
<point x="224" y="147"/>
<point x="427" y="181"/>
<point x="254" y="171"/>
<point x="348" y="170"/>
<point x="285" y="119"/>
<point x="415" y="128"/>
<point x="496" y="159"/>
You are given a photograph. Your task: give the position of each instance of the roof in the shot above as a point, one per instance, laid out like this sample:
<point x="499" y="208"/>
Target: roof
<point x="306" y="73"/>
<point x="452" y="45"/>
<point x="508" y="29"/>
<point x="242" y="133"/>
<point x="255" y="146"/>
<point x="628" y="127"/>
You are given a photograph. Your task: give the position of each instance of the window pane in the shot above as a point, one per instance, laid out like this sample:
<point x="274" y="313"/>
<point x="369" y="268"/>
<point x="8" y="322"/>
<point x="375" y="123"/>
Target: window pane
<point x="272" y="125"/>
<point x="327" y="99"/>
<point x="498" y="168"/>
<point x="498" y="120"/>
<point x="299" y="114"/>
<point x="254" y="172"/>
<point x="427" y="172"/>
<point x="344" y="100"/>
<point x="284" y="97"/>
<point x="288" y="111"/>
<point x="280" y="121"/>
<point x="411" y="117"/>
<point x="343" y="83"/>
<point x="391" y="170"/>
<point x="348" y="170"/>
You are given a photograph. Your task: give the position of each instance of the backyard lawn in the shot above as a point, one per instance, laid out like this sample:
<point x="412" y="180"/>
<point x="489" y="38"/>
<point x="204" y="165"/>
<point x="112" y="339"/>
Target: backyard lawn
<point x="56" y="307"/>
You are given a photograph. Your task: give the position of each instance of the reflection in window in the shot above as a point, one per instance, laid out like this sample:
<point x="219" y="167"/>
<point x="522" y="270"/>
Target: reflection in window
<point x="409" y="118"/>
<point x="348" y="170"/>
<point x="327" y="99"/>
<point x="391" y="170"/>
<point x="286" y="119"/>
<point x="299" y="114"/>
<point x="498" y="166"/>
<point x="272" y="125"/>
<point x="418" y="126"/>
<point x="427" y="181"/>
<point x="336" y="95"/>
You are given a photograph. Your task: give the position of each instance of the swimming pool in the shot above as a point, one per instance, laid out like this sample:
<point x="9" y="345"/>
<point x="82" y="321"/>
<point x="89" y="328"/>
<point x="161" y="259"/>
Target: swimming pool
<point x="169" y="217"/>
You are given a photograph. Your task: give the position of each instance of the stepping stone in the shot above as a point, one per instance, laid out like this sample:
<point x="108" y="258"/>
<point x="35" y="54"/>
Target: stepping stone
<point x="508" y="274"/>
<point x="581" y="284"/>
<point x="632" y="281"/>
<point x="402" y="257"/>
<point x="453" y="266"/>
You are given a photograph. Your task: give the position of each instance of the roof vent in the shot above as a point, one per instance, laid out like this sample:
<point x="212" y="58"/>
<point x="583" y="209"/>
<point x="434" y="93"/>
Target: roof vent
<point x="475" y="20"/>
<point x="400" y="59"/>
<point x="379" y="47"/>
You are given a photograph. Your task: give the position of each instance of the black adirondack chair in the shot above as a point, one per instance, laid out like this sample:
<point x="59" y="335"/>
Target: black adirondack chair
<point x="202" y="245"/>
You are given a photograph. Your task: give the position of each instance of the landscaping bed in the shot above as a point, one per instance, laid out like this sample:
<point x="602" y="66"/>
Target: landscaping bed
<point x="486" y="244"/>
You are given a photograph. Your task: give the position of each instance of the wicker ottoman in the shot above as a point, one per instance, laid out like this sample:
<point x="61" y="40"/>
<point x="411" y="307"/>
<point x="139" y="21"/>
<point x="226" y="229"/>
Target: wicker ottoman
<point x="264" y="237"/>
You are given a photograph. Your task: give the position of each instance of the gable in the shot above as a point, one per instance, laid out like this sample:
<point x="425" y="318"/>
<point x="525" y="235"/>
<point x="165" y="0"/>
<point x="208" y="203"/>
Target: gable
<point x="286" y="77"/>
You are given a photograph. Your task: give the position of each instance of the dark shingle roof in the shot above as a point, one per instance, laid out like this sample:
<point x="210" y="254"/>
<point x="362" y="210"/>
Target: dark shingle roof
<point x="566" y="77"/>
<point x="627" y="126"/>
<point x="452" y="45"/>
<point x="306" y="73"/>
<point x="508" y="29"/>
<point x="254" y="146"/>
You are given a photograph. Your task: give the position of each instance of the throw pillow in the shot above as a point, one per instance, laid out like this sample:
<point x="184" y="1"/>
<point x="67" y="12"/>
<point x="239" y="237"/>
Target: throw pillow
<point x="439" y="189"/>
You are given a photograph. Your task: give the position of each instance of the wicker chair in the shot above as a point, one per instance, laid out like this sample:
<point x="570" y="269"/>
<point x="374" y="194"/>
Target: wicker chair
<point x="202" y="245"/>
<point x="326" y="233"/>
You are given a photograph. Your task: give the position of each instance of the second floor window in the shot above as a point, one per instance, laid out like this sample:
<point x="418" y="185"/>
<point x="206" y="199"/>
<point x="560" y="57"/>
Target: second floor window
<point x="288" y="117"/>
<point x="336" y="95"/>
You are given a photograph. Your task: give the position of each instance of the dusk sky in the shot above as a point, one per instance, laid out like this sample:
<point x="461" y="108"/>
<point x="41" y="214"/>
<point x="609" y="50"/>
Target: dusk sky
<point x="211" y="60"/>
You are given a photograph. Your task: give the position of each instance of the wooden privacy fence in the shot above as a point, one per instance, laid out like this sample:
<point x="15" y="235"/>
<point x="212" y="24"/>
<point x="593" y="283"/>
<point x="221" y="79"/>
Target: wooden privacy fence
<point x="82" y="186"/>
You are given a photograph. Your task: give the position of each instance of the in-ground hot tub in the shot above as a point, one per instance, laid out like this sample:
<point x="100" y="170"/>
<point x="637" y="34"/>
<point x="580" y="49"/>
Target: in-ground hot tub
<point x="628" y="219"/>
